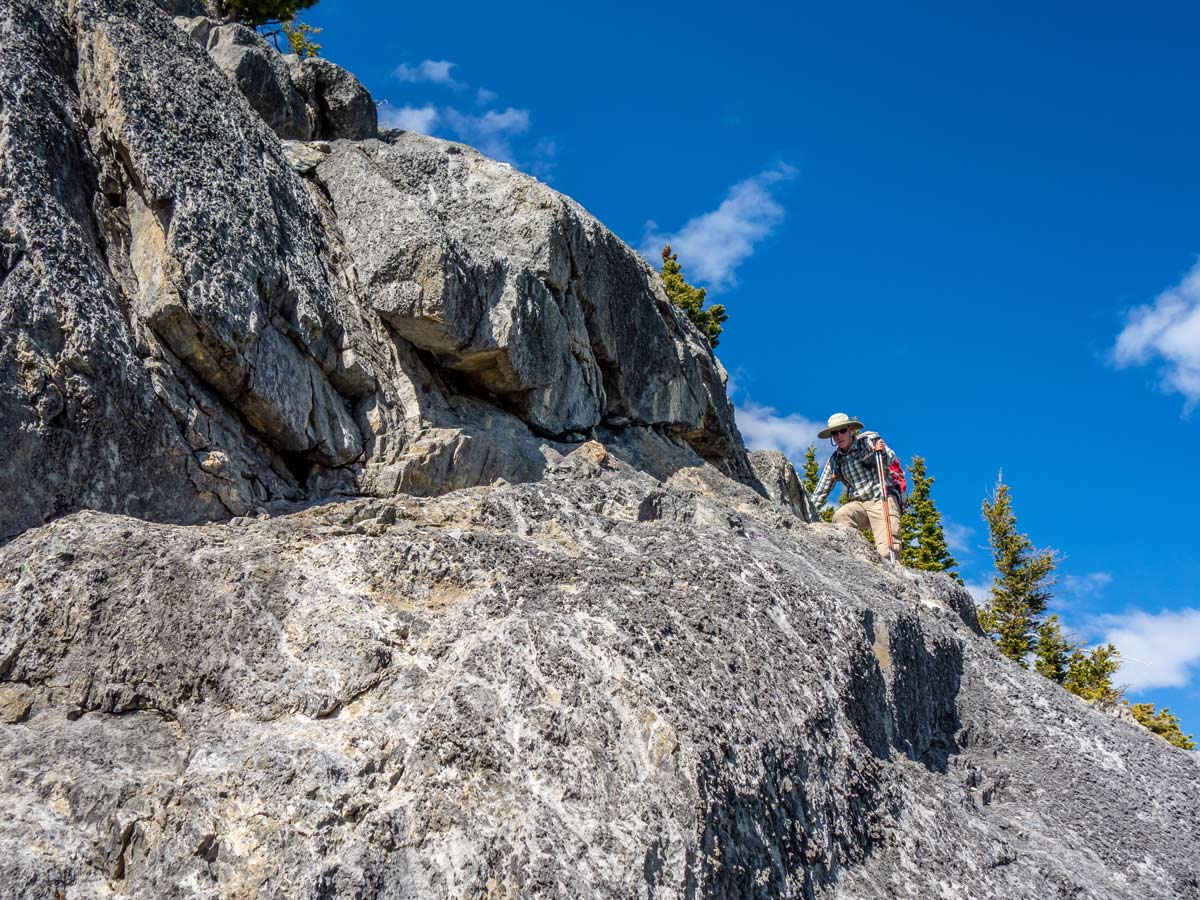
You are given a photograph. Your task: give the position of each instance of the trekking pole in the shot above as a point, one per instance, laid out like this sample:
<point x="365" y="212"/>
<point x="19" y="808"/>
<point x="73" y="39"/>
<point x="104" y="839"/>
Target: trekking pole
<point x="887" y="518"/>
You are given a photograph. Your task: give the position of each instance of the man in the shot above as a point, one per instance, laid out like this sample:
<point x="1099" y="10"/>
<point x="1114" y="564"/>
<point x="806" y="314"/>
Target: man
<point x="853" y="464"/>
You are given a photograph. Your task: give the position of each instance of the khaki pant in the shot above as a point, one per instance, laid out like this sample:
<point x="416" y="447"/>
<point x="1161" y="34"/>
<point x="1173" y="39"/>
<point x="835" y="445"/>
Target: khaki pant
<point x="864" y="514"/>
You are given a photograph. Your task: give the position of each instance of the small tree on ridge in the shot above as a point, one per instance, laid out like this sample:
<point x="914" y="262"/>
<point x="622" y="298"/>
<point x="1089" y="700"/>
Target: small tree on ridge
<point x="691" y="299"/>
<point x="810" y="469"/>
<point x="922" y="539"/>
<point x="1022" y="583"/>
<point x="1164" y="723"/>
<point x="264" y="12"/>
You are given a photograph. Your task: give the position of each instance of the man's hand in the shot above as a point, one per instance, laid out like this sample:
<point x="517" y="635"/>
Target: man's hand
<point x="879" y="445"/>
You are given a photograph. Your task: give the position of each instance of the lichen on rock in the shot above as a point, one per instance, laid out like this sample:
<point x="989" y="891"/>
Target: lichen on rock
<point x="374" y="526"/>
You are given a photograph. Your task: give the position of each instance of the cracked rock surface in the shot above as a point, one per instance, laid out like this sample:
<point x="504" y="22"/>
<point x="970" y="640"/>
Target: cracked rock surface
<point x="779" y="481"/>
<point x="373" y="526"/>
<point x="200" y="319"/>
<point x="601" y="684"/>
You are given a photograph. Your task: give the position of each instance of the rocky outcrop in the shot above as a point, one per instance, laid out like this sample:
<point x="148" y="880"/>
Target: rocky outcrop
<point x="198" y="321"/>
<point x="547" y="643"/>
<point x="600" y="684"/>
<point x="300" y="99"/>
<point x="341" y="105"/>
<point x="521" y="297"/>
<point x="777" y="476"/>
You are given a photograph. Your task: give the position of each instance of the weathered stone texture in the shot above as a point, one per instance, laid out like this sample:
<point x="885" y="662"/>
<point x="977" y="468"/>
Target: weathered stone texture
<point x="197" y="328"/>
<point x="519" y="292"/>
<point x="777" y="476"/>
<point x="629" y="675"/>
<point x="341" y="106"/>
<point x="80" y="422"/>
<point x="300" y="99"/>
<point x="596" y="685"/>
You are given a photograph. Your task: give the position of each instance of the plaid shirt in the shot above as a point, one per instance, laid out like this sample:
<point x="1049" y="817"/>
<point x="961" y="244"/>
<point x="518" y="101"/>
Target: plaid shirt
<point x="857" y="466"/>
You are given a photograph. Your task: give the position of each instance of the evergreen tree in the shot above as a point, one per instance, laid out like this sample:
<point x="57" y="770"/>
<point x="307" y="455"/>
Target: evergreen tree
<point x="810" y="474"/>
<point x="811" y="471"/>
<point x="1052" y="651"/>
<point x="299" y="38"/>
<point x="1164" y="723"/>
<point x="1021" y="585"/>
<point x="1014" y="619"/>
<point x="1085" y="673"/>
<point x="922" y="539"/>
<point x="1089" y="674"/>
<point x="264" y="12"/>
<point x="691" y="299"/>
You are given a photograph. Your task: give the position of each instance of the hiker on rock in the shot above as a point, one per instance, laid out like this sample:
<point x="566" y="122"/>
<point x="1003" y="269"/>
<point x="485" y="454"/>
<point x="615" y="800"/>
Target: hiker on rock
<point x="854" y="464"/>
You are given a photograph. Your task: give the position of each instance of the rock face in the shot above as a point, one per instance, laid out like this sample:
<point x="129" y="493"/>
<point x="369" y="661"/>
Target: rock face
<point x="777" y="476"/>
<point x="517" y="294"/>
<point x="560" y="636"/>
<point x="300" y="99"/>
<point x="197" y="321"/>
<point x="600" y="684"/>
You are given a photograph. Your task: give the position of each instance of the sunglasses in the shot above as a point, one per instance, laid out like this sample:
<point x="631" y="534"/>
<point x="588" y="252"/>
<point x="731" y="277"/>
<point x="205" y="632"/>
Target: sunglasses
<point x="840" y="431"/>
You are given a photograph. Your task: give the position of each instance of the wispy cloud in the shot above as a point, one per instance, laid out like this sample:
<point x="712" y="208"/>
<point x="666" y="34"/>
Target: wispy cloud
<point x="545" y="159"/>
<point x="764" y="429"/>
<point x="712" y="246"/>
<point x="980" y="593"/>
<point x="410" y="118"/>
<point x="1167" y="330"/>
<point x="428" y="71"/>
<point x="1079" y="596"/>
<point x="491" y="132"/>
<point x="1159" y="650"/>
<point x="958" y="536"/>
<point x="1084" y="587"/>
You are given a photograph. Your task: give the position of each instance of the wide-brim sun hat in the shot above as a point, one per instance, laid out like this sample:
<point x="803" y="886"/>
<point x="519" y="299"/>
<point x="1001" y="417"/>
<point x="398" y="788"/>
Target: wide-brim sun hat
<point x="837" y="422"/>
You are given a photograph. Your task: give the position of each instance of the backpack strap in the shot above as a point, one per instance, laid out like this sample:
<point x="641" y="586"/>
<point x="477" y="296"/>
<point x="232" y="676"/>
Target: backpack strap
<point x="837" y="471"/>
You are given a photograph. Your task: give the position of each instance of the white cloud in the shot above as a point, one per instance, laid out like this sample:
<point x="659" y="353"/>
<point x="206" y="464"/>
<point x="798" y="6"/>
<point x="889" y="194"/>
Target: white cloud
<point x="1170" y="330"/>
<point x="1077" y="594"/>
<point x="510" y="121"/>
<point x="492" y="132"/>
<point x="764" y="429"/>
<point x="713" y="245"/>
<point x="545" y="159"/>
<point x="431" y="71"/>
<point x="958" y="537"/>
<point x="411" y="118"/>
<point x="1085" y="587"/>
<point x="1160" y="650"/>
<point x="980" y="593"/>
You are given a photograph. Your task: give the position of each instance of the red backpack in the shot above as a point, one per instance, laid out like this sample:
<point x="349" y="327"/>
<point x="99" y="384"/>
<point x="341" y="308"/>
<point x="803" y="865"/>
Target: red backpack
<point x="897" y="479"/>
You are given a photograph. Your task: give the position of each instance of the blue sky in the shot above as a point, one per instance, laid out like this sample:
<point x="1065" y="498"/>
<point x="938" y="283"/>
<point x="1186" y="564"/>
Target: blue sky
<point x="975" y="229"/>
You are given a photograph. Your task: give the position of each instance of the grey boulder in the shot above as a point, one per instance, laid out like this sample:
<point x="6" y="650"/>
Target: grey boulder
<point x="300" y="99"/>
<point x="339" y="103"/>
<point x="777" y="476"/>
<point x="521" y="296"/>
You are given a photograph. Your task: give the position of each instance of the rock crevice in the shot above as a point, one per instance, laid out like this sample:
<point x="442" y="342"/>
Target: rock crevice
<point x="503" y="684"/>
<point x="559" y="636"/>
<point x="261" y="267"/>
